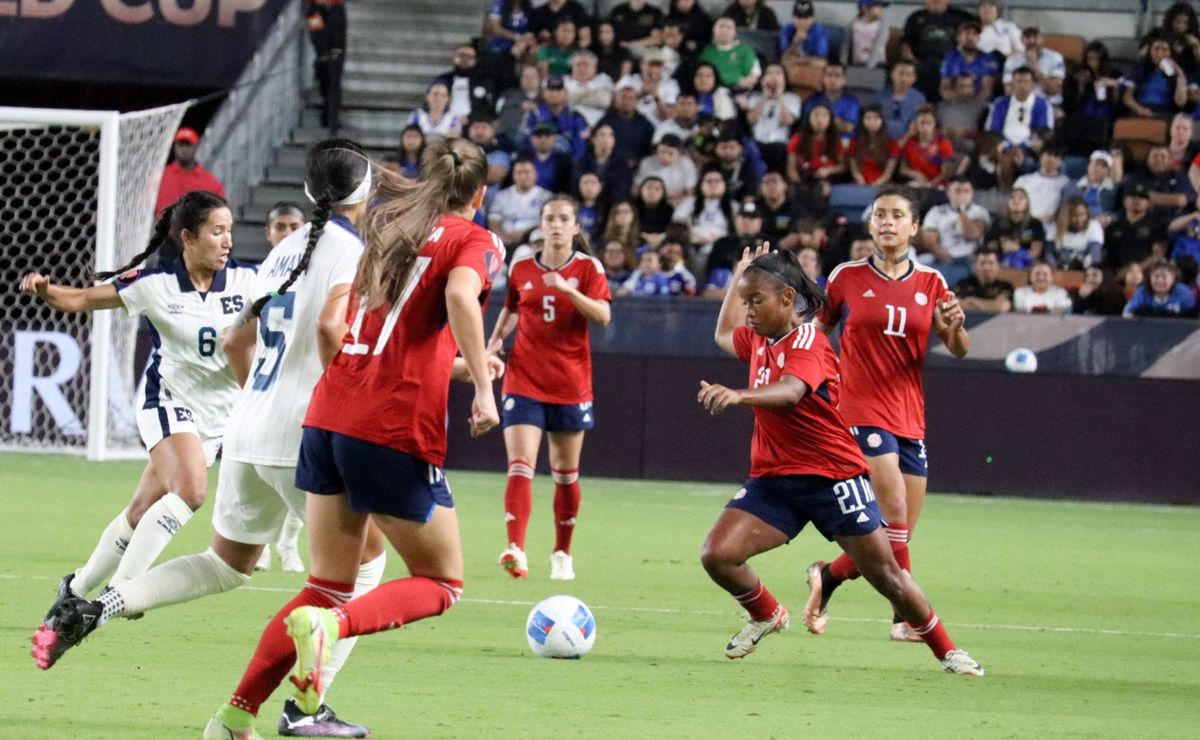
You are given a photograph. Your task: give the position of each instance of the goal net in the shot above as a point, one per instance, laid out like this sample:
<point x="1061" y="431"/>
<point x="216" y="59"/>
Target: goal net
<point x="77" y="195"/>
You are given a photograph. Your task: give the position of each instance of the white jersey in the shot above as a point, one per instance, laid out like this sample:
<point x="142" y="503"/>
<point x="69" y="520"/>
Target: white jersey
<point x="266" y="425"/>
<point x="187" y="367"/>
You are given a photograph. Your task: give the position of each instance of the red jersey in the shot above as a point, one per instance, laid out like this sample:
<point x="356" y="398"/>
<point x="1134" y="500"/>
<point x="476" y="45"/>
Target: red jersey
<point x="884" y="340"/>
<point x="178" y="182"/>
<point x="870" y="163"/>
<point x="928" y="158"/>
<point x="552" y="358"/>
<point x="391" y="382"/>
<point x="809" y="438"/>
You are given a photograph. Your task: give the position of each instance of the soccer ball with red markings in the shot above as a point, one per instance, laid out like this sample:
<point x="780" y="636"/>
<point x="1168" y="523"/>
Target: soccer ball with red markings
<point x="561" y="627"/>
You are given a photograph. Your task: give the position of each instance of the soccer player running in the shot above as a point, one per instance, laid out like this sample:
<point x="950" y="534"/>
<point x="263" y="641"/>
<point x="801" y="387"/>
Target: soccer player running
<point x="804" y="465"/>
<point x="552" y="296"/>
<point x="374" y="437"/>
<point x="889" y="304"/>
<point x="278" y="349"/>
<point x="186" y="393"/>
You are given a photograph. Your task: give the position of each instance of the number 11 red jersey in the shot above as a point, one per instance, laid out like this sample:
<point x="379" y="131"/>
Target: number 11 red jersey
<point x="885" y="334"/>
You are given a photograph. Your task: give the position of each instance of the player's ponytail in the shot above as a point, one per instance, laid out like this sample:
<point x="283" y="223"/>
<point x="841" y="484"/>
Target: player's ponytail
<point x="784" y="266"/>
<point x="579" y="242"/>
<point x="189" y="213"/>
<point x="452" y="172"/>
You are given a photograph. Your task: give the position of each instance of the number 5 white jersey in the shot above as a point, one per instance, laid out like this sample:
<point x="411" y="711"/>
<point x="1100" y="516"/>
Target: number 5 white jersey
<point x="266" y="425"/>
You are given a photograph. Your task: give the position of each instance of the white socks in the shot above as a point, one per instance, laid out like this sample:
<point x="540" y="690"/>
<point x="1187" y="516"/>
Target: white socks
<point x="154" y="532"/>
<point x="369" y="576"/>
<point x="105" y="558"/>
<point x="182" y="579"/>
<point x="289" y="532"/>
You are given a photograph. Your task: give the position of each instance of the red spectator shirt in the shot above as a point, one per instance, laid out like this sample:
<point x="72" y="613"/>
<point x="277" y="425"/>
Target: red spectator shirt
<point x="178" y="182"/>
<point x="884" y="340"/>
<point x="811" y="155"/>
<point x="390" y="383"/>
<point x="810" y="438"/>
<point x="928" y="158"/>
<point x="871" y="171"/>
<point x="551" y="358"/>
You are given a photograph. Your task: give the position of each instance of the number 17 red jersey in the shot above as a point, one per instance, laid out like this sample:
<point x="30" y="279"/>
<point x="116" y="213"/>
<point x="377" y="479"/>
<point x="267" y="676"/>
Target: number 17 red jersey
<point x="885" y="335"/>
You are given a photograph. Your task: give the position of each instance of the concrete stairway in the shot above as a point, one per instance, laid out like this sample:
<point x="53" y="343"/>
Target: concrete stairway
<point x="395" y="48"/>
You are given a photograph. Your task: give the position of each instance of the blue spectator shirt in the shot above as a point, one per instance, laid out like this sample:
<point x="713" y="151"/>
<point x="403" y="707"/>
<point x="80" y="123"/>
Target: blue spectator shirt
<point x="899" y="114"/>
<point x="680" y="281"/>
<point x="984" y="65"/>
<point x="1153" y="89"/>
<point x="815" y="45"/>
<point x="1187" y="242"/>
<point x="589" y="222"/>
<point x="572" y="129"/>
<point x="649" y="286"/>
<point x="1179" y="302"/>
<point x="845" y="108"/>
<point x="516" y="22"/>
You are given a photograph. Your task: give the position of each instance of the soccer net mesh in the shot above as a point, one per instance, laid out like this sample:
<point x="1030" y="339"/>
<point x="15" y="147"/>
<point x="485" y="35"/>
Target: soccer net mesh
<point x="77" y="194"/>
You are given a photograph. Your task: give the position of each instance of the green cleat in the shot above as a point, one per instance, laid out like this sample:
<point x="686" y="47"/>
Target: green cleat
<point x="314" y="630"/>
<point x="231" y="723"/>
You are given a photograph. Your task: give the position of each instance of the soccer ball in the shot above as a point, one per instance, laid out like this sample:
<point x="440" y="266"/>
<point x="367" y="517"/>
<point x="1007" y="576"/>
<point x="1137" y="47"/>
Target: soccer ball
<point x="1021" y="360"/>
<point x="561" y="627"/>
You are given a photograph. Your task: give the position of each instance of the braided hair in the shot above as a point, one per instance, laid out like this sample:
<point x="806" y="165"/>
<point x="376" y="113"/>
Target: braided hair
<point x="335" y="168"/>
<point x="189" y="213"/>
<point x="784" y="266"/>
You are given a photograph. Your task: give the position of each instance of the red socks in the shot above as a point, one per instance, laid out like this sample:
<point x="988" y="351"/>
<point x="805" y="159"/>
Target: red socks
<point x="276" y="652"/>
<point x="934" y="634"/>
<point x="759" y="602"/>
<point x="566" y="507"/>
<point x="518" y="501"/>
<point x="397" y="603"/>
<point x="897" y="535"/>
<point x="843" y="568"/>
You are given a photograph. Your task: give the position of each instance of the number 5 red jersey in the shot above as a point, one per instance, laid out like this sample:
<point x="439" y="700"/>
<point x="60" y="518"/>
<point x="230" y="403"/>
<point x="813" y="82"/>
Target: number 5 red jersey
<point x="885" y="335"/>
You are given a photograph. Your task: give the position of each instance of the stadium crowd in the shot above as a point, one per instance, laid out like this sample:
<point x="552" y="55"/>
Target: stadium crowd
<point x="1052" y="182"/>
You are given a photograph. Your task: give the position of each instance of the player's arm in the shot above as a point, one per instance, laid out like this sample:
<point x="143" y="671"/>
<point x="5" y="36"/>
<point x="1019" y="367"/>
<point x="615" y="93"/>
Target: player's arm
<point x="331" y="323"/>
<point x="506" y="323"/>
<point x="466" y="324"/>
<point x="950" y="321"/>
<point x="459" y="371"/>
<point x="782" y="394"/>
<point x="238" y="343"/>
<point x="71" y="300"/>
<point x="733" y="312"/>
<point x="592" y="309"/>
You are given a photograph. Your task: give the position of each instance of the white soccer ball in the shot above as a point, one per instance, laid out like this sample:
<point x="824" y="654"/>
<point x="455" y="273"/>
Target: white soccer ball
<point x="561" y="627"/>
<point x="1021" y="360"/>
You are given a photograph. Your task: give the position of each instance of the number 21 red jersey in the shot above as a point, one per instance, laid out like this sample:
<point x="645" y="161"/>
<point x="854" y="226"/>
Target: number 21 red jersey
<point x="390" y="384"/>
<point x="885" y="335"/>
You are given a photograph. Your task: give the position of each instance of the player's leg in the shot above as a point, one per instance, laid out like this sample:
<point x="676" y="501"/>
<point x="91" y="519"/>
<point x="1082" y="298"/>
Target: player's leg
<point x="523" y="421"/>
<point x="565" y="449"/>
<point x="287" y="545"/>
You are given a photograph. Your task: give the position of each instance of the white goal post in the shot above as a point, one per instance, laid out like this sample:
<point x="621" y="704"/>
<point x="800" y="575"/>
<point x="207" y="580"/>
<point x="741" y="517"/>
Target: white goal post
<point x="77" y="196"/>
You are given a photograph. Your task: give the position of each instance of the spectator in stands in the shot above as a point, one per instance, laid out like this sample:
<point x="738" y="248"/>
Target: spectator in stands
<point x="984" y="290"/>
<point x="685" y="122"/>
<point x="1170" y="191"/>
<point x="867" y="35"/>
<point x="1096" y="188"/>
<point x="694" y="24"/>
<point x="632" y="131"/>
<point x="900" y="101"/>
<point x="1182" y="30"/>
<point x="470" y="87"/>
<point x="507" y="29"/>
<point x="815" y="155"/>
<point x="747" y="234"/>
<point x="1180" y="147"/>
<point x="434" y="118"/>
<point x="779" y="213"/>
<point x="1078" y="237"/>
<point x="1136" y="236"/>
<point x="873" y="155"/>
<point x="589" y="91"/>
<point x="771" y="114"/>
<point x="712" y="97"/>
<point x="517" y="209"/>
<point x="983" y="162"/>
<point x="657" y="92"/>
<point x="752" y="14"/>
<point x="554" y="58"/>
<point x="1162" y="295"/>
<point x="967" y="58"/>
<point x="612" y="59"/>
<point x="284" y="218"/>
<point x="602" y="158"/>
<point x="960" y="113"/>
<point x="998" y="36"/>
<point x="637" y="25"/>
<point x="737" y="160"/>
<point x="592" y="211"/>
<point x="678" y="63"/>
<point x="671" y="167"/>
<point x="1048" y="66"/>
<point x="1045" y="187"/>
<point x="1098" y="295"/>
<point x="709" y="213"/>
<point x="623" y="227"/>
<point x="654" y="211"/>
<point x="736" y="63"/>
<point x="649" y="281"/>
<point x="545" y="18"/>
<point x="515" y="104"/>
<point x="845" y="106"/>
<point x="184" y="174"/>
<point x="953" y="231"/>
<point x="927" y="157"/>
<point x="412" y="147"/>
<point x="570" y="126"/>
<point x="553" y="165"/>
<point x="1129" y="279"/>
<point x="618" y="265"/>
<point x="803" y="40"/>
<point x="1016" y="116"/>
<point x="672" y="255"/>
<point x="326" y="21"/>
<point x="1041" y="295"/>
<point x="1091" y="100"/>
<point x="1017" y="237"/>
<point x="1158" y="87"/>
<point x="928" y="34"/>
<point x="1184" y="231"/>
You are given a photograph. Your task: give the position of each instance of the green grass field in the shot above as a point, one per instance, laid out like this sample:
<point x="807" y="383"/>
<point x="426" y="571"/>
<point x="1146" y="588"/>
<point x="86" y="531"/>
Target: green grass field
<point x="1086" y="617"/>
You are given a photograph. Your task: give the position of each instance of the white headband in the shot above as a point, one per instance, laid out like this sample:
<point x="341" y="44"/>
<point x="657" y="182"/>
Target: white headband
<point x="358" y="196"/>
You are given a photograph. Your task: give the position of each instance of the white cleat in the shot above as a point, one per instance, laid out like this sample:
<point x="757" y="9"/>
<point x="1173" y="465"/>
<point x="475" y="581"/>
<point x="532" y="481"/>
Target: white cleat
<point x="957" y="661"/>
<point x="562" y="566"/>
<point x="514" y="561"/>
<point x="814" y="609"/>
<point x="264" y="560"/>
<point x="289" y="560"/>
<point x="746" y="640"/>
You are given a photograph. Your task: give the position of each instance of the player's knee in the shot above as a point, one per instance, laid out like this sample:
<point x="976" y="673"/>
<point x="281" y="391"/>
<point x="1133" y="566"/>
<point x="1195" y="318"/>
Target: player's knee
<point x="193" y="491"/>
<point x="885" y="576"/>
<point x="518" y="468"/>
<point x="716" y="556"/>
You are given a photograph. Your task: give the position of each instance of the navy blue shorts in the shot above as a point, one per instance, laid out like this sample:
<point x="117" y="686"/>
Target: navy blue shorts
<point x="874" y="441"/>
<point x="552" y="417"/>
<point x="378" y="479"/>
<point x="788" y="502"/>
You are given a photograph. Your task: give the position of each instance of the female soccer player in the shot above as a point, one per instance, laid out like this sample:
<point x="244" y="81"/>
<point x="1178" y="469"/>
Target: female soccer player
<point x="186" y="393"/>
<point x="551" y="298"/>
<point x="804" y="465"/>
<point x="374" y="437"/>
<point x="889" y="305"/>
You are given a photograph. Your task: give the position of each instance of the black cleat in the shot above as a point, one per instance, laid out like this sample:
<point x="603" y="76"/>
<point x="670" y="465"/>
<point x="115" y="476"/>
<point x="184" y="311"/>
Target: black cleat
<point x="66" y="628"/>
<point x="295" y="723"/>
<point x="65" y="594"/>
